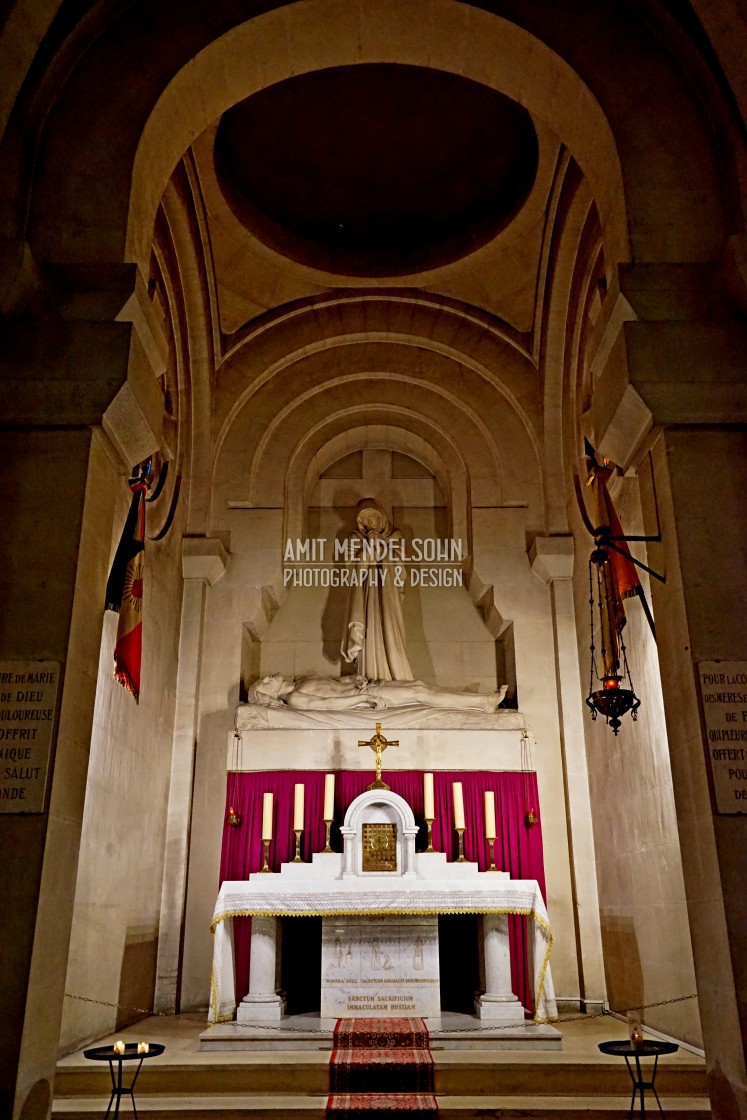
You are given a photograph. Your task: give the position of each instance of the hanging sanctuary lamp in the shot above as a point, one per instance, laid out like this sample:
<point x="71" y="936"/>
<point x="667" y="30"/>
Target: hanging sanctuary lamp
<point x="617" y="694"/>
<point x="612" y="579"/>
<point x="233" y="816"/>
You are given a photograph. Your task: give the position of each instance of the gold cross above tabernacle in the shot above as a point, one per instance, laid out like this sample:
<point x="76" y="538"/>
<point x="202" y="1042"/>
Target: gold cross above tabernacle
<point x="378" y="744"/>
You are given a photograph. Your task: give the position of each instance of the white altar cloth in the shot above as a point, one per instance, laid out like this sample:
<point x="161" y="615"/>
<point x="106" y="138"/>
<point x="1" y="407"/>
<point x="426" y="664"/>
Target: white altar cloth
<point x="264" y="894"/>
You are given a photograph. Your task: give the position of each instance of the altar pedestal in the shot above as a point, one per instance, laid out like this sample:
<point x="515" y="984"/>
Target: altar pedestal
<point x="262" y="1003"/>
<point x="497" y="1001"/>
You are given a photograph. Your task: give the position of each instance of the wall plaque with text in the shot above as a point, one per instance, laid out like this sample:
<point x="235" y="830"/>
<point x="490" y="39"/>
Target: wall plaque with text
<point x="28" y="696"/>
<point x="723" y="689"/>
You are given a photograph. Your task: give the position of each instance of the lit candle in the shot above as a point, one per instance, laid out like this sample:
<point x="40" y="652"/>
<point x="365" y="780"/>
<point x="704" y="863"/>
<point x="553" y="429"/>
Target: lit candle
<point x="428" y="796"/>
<point x="329" y="797"/>
<point x="298" y="808"/>
<point x="456" y="789"/>
<point x="267" y="817"/>
<point x="489" y="815"/>
<point x="143" y="1047"/>
<point x="119" y="1047"/>
<point x="634" y="1029"/>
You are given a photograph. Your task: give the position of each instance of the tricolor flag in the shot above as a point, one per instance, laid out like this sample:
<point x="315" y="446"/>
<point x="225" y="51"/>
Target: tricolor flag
<point x="124" y="592"/>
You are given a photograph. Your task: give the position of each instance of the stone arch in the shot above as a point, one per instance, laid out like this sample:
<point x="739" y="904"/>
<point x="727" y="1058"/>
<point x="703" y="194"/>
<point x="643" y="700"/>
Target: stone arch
<point x="297" y="362"/>
<point x="307" y="399"/>
<point x="319" y="450"/>
<point x="574" y="215"/>
<point x="495" y="351"/>
<point x="287" y="41"/>
<point x="572" y="84"/>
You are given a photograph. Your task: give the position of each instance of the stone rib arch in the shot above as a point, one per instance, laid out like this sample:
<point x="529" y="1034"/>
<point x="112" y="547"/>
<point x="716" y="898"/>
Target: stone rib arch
<point x="503" y="461"/>
<point x="286" y="413"/>
<point x="523" y="408"/>
<point x="319" y="450"/>
<point x="385" y="307"/>
<point x="574" y="217"/>
<point x="489" y="389"/>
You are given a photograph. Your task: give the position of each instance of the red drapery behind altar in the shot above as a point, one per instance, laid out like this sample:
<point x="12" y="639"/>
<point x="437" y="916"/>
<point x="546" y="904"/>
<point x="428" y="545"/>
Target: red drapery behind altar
<point x="518" y="847"/>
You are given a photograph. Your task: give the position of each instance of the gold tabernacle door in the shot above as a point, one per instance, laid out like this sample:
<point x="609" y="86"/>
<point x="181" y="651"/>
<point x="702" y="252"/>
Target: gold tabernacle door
<point x="379" y="847"/>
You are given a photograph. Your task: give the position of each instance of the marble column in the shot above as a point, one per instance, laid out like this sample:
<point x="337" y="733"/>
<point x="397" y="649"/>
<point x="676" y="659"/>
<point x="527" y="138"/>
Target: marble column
<point x="497" y="1001"/>
<point x="203" y="562"/>
<point x="262" y="1003"/>
<point x="348" y="841"/>
<point x="410" y="836"/>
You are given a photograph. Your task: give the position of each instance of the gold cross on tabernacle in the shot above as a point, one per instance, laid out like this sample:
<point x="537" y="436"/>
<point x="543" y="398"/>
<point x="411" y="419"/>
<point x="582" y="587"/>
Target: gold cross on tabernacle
<point x="378" y="744"/>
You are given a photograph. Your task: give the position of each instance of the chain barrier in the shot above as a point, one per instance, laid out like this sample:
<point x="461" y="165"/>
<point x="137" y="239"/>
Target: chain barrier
<point x="584" y="1017"/>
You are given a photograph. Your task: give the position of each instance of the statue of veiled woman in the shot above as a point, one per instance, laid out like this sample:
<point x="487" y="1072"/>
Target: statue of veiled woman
<point x="374" y="631"/>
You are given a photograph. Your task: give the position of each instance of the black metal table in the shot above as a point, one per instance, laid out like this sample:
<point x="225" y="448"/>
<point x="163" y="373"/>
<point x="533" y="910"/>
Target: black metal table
<point x="648" y="1048"/>
<point x="112" y="1056"/>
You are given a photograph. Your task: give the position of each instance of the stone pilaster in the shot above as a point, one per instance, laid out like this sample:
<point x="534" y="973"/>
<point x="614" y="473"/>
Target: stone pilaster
<point x="59" y="473"/>
<point x="203" y="562"/>
<point x="689" y="375"/>
<point x="552" y="561"/>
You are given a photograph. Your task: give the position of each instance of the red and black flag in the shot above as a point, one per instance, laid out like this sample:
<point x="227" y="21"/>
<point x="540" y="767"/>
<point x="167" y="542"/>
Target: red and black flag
<point x="607" y="525"/>
<point x="618" y="578"/>
<point x="124" y="592"/>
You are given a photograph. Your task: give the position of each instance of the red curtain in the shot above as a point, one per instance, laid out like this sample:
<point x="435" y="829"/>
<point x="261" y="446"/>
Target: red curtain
<point x="518" y="847"/>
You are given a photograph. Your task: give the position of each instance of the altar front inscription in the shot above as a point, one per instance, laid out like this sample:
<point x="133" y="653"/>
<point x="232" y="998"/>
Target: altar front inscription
<point x="375" y="966"/>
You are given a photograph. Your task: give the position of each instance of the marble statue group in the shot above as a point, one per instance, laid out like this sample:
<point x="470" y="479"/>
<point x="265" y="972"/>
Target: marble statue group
<point x="335" y="694"/>
<point x="374" y="640"/>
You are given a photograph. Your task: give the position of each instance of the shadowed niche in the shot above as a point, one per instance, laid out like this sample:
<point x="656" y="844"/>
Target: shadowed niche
<point x="376" y="169"/>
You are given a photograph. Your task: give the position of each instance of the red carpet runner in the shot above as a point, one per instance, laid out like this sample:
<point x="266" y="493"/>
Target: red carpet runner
<point x="381" y="1067"/>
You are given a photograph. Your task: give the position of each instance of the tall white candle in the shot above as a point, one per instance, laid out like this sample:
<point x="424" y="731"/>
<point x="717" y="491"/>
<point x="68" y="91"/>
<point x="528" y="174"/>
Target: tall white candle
<point x="329" y="797"/>
<point x="267" y="817"/>
<point x="456" y="790"/>
<point x="489" y="815"/>
<point x="428" y="796"/>
<point x="298" y="808"/>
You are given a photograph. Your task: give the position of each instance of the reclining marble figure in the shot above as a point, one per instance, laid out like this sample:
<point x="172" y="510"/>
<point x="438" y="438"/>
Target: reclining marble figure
<point x="346" y="693"/>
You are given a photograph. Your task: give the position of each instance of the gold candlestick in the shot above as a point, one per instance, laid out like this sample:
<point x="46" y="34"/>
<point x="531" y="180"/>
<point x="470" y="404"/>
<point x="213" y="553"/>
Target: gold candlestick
<point x="266" y="865"/>
<point x="461" y="858"/>
<point x="328" y="846"/>
<point x="297" y="857"/>
<point x="430" y="847"/>
<point x="491" y="843"/>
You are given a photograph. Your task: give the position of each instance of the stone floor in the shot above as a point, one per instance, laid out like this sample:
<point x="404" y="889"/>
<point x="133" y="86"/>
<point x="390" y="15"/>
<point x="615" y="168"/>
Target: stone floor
<point x="480" y="1081"/>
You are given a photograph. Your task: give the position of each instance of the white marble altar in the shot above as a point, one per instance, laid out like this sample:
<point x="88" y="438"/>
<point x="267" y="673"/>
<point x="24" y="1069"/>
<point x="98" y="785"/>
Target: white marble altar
<point x="338" y="885"/>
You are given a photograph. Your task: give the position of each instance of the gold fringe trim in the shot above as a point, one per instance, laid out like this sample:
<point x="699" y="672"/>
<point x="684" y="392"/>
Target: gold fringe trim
<point x="337" y="913"/>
